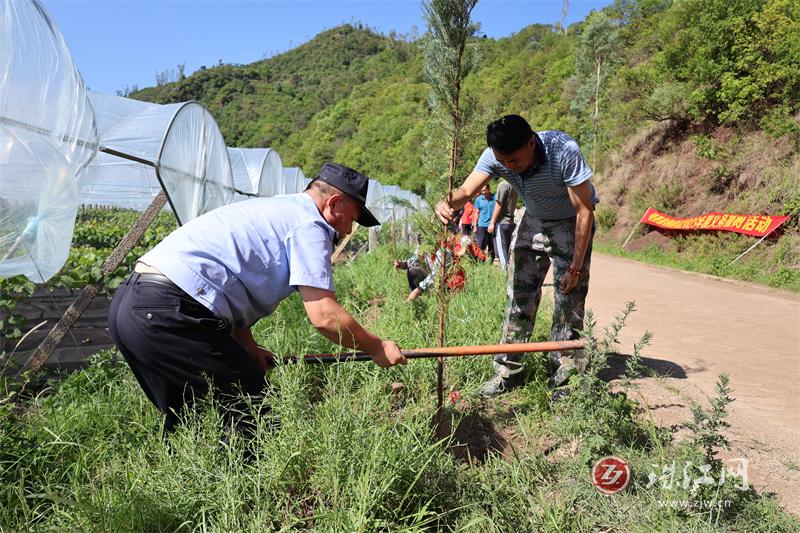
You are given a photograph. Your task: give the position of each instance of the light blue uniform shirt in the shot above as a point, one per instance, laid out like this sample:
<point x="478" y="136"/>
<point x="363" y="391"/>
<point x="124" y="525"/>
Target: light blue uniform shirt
<point x="485" y="208"/>
<point x="559" y="164"/>
<point x="242" y="259"/>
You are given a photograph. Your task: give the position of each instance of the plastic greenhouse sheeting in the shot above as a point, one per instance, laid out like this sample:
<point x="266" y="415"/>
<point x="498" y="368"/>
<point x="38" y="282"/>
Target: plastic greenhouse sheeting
<point x="375" y="201"/>
<point x="255" y="170"/>
<point x="271" y="182"/>
<point x="194" y="164"/>
<point x="47" y="139"/>
<point x="118" y="182"/>
<point x="51" y="129"/>
<point x="183" y="143"/>
<point x="390" y="202"/>
<point x="405" y="203"/>
<point x="295" y="180"/>
<point x="246" y="171"/>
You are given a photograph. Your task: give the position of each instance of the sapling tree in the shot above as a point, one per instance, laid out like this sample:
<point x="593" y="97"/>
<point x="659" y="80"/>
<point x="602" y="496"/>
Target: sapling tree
<point x="449" y="58"/>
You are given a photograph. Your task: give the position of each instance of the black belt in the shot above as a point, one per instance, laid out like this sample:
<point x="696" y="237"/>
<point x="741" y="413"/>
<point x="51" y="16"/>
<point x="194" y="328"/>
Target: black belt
<point x="151" y="277"/>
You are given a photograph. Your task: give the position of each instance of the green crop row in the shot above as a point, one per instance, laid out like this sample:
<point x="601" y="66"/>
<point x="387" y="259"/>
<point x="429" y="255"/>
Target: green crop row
<point x="97" y="232"/>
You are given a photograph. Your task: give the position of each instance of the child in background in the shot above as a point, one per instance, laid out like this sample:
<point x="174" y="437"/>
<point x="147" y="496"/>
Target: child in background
<point x="468" y="218"/>
<point x="423" y="269"/>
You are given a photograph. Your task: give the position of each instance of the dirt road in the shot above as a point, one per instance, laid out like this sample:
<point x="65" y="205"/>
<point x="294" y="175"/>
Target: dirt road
<point x="703" y="326"/>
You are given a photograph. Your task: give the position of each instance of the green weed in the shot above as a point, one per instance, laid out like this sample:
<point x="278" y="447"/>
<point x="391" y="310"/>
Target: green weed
<point x="605" y="216"/>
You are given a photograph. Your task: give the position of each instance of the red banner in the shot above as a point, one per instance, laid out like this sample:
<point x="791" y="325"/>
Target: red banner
<point x="755" y="225"/>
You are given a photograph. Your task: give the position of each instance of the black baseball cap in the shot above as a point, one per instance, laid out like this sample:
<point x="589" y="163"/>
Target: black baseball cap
<point x="351" y="182"/>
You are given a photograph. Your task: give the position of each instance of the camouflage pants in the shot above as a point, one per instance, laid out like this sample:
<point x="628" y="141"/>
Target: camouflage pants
<point x="535" y="244"/>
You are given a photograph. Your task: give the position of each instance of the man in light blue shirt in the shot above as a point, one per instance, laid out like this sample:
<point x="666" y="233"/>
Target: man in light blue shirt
<point x="484" y="203"/>
<point x="185" y="314"/>
<point x="549" y="173"/>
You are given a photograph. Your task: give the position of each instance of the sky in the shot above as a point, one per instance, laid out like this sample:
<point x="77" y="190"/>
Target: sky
<point x="117" y="44"/>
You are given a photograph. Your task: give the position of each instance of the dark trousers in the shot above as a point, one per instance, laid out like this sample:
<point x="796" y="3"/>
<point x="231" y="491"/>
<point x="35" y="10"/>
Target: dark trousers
<point x="415" y="276"/>
<point x="485" y="240"/>
<point x="502" y="241"/>
<point x="175" y="346"/>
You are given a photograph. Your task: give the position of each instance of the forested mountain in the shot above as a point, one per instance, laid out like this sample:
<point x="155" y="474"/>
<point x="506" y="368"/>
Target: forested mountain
<point x="680" y="104"/>
<point x="279" y="102"/>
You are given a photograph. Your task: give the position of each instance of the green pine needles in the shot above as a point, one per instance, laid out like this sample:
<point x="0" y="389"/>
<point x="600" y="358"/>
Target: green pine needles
<point x="449" y="58"/>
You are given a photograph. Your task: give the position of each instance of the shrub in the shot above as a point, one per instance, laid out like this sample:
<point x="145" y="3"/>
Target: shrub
<point x="605" y="216"/>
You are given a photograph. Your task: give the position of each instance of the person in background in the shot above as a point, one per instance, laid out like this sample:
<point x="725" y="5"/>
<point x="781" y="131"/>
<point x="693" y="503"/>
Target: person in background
<point x="484" y="204"/>
<point x="422" y="269"/>
<point x="467" y="218"/>
<point x="183" y="317"/>
<point x="502" y="224"/>
<point x="419" y="268"/>
<point x="551" y="176"/>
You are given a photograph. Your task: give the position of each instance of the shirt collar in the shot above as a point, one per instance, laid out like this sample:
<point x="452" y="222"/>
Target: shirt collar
<point x="331" y="231"/>
<point x="541" y="156"/>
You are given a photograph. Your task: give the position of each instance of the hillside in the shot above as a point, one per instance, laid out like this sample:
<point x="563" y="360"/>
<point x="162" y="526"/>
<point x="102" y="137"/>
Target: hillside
<point x="697" y="110"/>
<point x="266" y="102"/>
<point x="358" y="97"/>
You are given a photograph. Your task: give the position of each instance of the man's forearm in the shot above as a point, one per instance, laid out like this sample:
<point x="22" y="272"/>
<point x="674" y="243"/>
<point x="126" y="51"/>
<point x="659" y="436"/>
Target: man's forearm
<point x="583" y="233"/>
<point x="495" y="214"/>
<point x="343" y="329"/>
<point x="458" y="198"/>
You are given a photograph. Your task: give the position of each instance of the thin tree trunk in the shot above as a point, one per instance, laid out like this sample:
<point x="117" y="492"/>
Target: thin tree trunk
<point x="443" y="284"/>
<point x="454" y="149"/>
<point x="596" y="118"/>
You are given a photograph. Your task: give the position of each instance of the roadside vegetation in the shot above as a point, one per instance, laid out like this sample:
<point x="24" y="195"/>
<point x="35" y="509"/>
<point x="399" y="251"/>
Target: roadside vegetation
<point x="337" y="449"/>
<point x="722" y="170"/>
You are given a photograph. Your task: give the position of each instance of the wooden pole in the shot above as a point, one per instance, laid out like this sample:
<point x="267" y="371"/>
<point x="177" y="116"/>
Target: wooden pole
<point x="632" y="232"/>
<point x="373" y="239"/>
<point x="340" y="248"/>
<point x="71" y="315"/>
<point x="449" y="351"/>
<point x="394" y="232"/>
<point x="14" y="247"/>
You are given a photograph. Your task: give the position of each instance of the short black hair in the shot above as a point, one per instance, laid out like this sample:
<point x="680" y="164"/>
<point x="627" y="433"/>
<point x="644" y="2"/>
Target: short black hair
<point x="324" y="188"/>
<point x="508" y="134"/>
